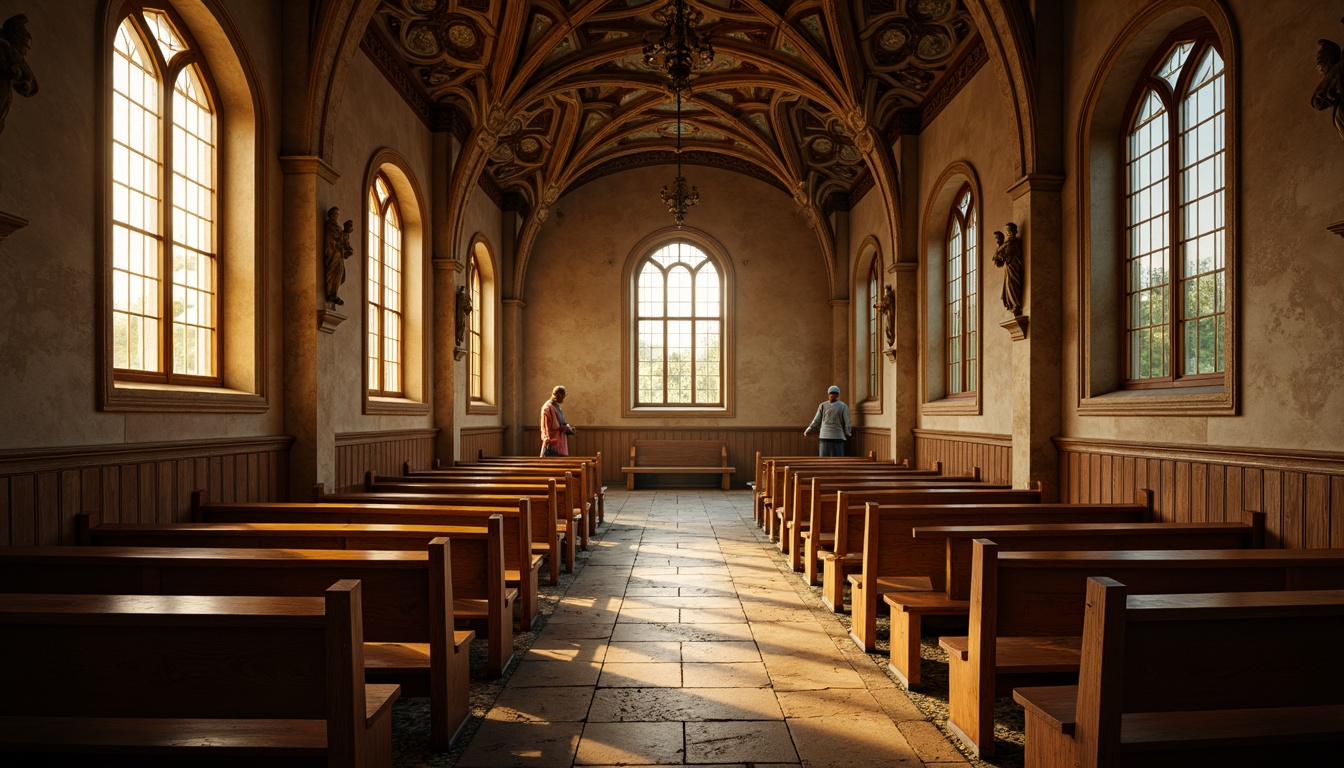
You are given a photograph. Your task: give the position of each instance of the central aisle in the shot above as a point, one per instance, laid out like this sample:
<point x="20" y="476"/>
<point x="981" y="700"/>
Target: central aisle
<point x="681" y="642"/>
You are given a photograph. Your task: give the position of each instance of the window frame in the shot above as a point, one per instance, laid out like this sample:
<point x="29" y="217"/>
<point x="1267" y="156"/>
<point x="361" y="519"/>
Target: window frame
<point x="868" y="287"/>
<point x="717" y="255"/>
<point x="1101" y="365"/>
<point x="480" y="261"/>
<point x="239" y="180"/>
<point x="1202" y="40"/>
<point x="969" y="339"/>
<point x="944" y="194"/>
<point x="375" y="385"/>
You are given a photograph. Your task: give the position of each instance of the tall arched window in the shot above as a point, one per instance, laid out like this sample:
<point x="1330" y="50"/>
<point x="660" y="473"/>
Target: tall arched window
<point x="164" y="243"/>
<point x="874" y="296"/>
<point x="384" y="274"/>
<point x="476" y="360"/>
<point x="679" y="329"/>
<point x="961" y="296"/>
<point x="1175" y="228"/>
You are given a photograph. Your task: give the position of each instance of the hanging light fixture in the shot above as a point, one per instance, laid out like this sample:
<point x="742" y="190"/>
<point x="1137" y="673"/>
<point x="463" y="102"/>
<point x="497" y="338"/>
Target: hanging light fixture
<point x="678" y="197"/>
<point x="677" y="52"/>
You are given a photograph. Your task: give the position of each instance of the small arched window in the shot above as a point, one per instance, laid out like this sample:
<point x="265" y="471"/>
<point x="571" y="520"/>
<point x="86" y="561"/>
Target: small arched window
<point x="477" y="351"/>
<point x="961" y="296"/>
<point x="874" y="296"/>
<point x="1175" y="229"/>
<point x="384" y="274"/>
<point x="165" y="255"/>
<point x="679" y="329"/>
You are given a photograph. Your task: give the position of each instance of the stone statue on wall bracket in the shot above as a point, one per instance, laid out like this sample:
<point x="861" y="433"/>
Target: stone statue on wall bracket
<point x="1008" y="255"/>
<point x="1330" y="92"/>
<point x="15" y="76"/>
<point x="336" y="249"/>
<point x="886" y="308"/>
<point x="464" y="308"/>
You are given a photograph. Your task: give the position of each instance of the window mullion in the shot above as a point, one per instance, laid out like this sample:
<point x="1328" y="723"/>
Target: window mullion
<point x="1175" y="344"/>
<point x="167" y="203"/>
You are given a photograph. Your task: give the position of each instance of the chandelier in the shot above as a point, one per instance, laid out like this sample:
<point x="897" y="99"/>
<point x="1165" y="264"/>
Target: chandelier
<point x="678" y="198"/>
<point x="677" y="52"/>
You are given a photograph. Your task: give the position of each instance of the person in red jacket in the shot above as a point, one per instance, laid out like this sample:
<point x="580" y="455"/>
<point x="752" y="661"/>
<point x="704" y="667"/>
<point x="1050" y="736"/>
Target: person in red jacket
<point x="554" y="429"/>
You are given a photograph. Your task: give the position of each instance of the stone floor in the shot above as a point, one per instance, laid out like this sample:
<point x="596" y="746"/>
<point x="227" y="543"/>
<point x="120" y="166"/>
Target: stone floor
<point x="682" y="640"/>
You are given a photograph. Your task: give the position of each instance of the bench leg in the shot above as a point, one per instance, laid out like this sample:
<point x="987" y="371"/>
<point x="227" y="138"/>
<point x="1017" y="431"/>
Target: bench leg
<point x="863" y="628"/>
<point x="833" y="585"/>
<point x="905" y="629"/>
<point x="970" y="710"/>
<point x="527" y="601"/>
<point x="500" y="646"/>
<point x="810" y="562"/>
<point x="450" y="706"/>
<point x="630" y="481"/>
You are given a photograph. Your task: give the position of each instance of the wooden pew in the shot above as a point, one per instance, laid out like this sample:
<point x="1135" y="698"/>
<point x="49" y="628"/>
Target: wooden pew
<point x="1197" y="680"/>
<point x="678" y="457"/>
<point x="895" y="561"/>
<point x="781" y="476"/>
<point x="1027" y="608"/>
<point x="595" y="490"/>
<point x="584" y="504"/>
<point x="763" y="496"/>
<point x="909" y="608"/>
<point x="409" y="610"/>
<point x="850" y="513"/>
<point x="122" y="680"/>
<point x="558" y="494"/>
<point x="520" y="565"/>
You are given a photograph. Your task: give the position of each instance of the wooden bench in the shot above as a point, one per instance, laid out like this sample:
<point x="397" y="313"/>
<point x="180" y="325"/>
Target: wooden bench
<point x="520" y="565"/>
<point x="908" y="609"/>
<point x="1027" y="608"/>
<point x="782" y="474"/>
<point x="122" y="680"/>
<point x="893" y="560"/>
<point x="1201" y="679"/>
<point x="760" y="484"/>
<point x="409" y="605"/>
<point x="558" y="495"/>
<point x="583" y="474"/>
<point x="850" y="512"/>
<point x="595" y="488"/>
<point x="678" y="457"/>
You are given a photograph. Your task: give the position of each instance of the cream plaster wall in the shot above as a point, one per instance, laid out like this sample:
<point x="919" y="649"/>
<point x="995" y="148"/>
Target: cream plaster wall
<point x="572" y="321"/>
<point x="1291" y="302"/>
<point x="49" y="174"/>
<point x="357" y="140"/>
<point x="975" y="129"/>
<point x="868" y="219"/>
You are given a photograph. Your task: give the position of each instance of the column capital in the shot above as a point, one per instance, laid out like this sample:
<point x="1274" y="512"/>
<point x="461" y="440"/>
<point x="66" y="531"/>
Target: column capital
<point x="309" y="164"/>
<point x="1035" y="182"/>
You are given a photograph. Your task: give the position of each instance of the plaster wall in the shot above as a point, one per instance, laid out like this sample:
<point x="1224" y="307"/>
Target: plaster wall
<point x="975" y="129"/>
<point x="483" y="217"/>
<point x="573" y="288"/>
<point x="1291" y="307"/>
<point x="357" y="140"/>
<point x="49" y="174"/>
<point x="868" y="219"/>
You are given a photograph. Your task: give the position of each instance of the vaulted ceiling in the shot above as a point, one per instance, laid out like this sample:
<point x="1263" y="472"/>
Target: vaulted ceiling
<point x="558" y="92"/>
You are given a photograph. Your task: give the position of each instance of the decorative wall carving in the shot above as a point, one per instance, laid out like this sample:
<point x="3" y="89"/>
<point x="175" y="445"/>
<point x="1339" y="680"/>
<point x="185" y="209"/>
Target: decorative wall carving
<point x="335" y="250"/>
<point x="15" y="75"/>
<point x="1009" y="255"/>
<point x="1329" y="93"/>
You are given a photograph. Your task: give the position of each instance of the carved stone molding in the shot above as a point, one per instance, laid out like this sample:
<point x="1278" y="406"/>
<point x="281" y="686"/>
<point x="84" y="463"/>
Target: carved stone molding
<point x="891" y="352"/>
<point x="1016" y="327"/>
<point x="459" y="353"/>
<point x="328" y="319"/>
<point x="1337" y="228"/>
<point x="9" y="224"/>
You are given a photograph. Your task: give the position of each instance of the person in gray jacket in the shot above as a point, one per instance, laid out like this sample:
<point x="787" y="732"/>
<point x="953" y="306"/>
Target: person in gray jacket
<point x="833" y="419"/>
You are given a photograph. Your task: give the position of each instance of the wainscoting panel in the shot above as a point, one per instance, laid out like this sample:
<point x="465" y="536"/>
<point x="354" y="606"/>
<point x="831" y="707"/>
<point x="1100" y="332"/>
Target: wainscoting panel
<point x="42" y="491"/>
<point x="875" y="439"/>
<point x="742" y="443"/>
<point x="481" y="441"/>
<point x="961" y="452"/>
<point x="383" y="452"/>
<point x="1301" y="493"/>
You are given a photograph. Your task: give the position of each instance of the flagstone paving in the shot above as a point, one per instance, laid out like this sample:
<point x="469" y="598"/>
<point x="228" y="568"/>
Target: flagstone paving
<point x="682" y="642"/>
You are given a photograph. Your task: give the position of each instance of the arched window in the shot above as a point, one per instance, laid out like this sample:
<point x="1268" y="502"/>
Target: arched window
<point x="384" y="292"/>
<point x="873" y="303"/>
<point x="680" y="310"/>
<point x="164" y="210"/>
<point x="476" y="362"/>
<point x="1175" y="227"/>
<point x="961" y="296"/>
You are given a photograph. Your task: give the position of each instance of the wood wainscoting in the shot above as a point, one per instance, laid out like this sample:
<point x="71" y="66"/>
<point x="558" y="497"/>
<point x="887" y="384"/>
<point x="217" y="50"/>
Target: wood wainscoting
<point x="961" y="452"/>
<point x="742" y="442"/>
<point x="875" y="439"/>
<point x="480" y="441"/>
<point x="382" y="452"/>
<point x="1300" y="492"/>
<point x="41" y="491"/>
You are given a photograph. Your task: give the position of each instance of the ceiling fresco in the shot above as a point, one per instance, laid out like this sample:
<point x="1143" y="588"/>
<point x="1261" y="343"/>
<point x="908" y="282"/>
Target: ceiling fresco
<point x="556" y="93"/>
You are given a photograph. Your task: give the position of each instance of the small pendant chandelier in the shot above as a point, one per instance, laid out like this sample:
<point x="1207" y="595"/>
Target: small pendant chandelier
<point x="678" y="198"/>
<point x="679" y="51"/>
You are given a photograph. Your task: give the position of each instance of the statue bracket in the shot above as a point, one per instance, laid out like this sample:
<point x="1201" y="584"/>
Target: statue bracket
<point x="459" y="353"/>
<point x="9" y="224"/>
<point x="1016" y="327"/>
<point x="1337" y="228"/>
<point x="891" y="353"/>
<point x="328" y="319"/>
